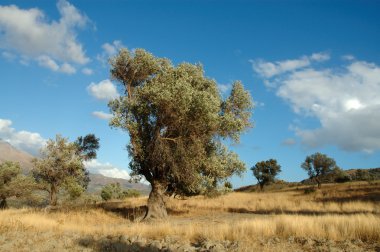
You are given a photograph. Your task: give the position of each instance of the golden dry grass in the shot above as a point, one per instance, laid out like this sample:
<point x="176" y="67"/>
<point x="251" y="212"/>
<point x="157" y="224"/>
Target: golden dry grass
<point x="236" y="217"/>
<point x="365" y="227"/>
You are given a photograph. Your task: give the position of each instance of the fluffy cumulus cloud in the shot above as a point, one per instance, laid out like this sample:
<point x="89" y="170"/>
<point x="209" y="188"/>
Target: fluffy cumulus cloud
<point x="27" y="141"/>
<point x="102" y="115"/>
<point x="53" y="44"/>
<point x="345" y="100"/>
<point x="106" y="169"/>
<point x="104" y="90"/>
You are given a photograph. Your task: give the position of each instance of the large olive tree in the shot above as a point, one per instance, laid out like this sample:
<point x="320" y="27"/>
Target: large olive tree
<point x="176" y="117"/>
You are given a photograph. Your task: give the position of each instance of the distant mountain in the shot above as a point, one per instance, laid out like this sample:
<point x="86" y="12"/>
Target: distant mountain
<point x="10" y="153"/>
<point x="98" y="181"/>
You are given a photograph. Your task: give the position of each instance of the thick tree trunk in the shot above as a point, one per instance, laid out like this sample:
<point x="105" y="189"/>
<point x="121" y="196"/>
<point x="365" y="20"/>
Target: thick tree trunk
<point x="3" y="203"/>
<point x="318" y="183"/>
<point x="53" y="195"/>
<point x="156" y="202"/>
<point x="261" y="186"/>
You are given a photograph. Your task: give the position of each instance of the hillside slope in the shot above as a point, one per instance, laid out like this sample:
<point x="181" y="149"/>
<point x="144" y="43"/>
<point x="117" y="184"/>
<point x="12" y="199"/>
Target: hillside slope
<point x="10" y="153"/>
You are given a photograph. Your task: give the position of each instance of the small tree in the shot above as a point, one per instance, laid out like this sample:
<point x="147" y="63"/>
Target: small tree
<point x="317" y="166"/>
<point x="61" y="166"/>
<point x="13" y="183"/>
<point x="266" y="171"/>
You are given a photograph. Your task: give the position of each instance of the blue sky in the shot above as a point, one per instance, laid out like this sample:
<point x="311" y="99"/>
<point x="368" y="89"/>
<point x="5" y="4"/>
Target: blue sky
<point x="312" y="67"/>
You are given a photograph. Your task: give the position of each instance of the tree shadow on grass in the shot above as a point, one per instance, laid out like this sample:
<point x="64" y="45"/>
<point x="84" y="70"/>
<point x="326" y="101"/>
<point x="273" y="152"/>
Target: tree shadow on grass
<point x="364" y="196"/>
<point x="116" y="244"/>
<point x="299" y="212"/>
<point x="134" y="213"/>
<point x="130" y="213"/>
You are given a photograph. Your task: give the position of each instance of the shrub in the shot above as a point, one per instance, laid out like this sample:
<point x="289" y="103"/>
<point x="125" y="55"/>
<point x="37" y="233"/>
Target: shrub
<point x="310" y="190"/>
<point x="114" y="191"/>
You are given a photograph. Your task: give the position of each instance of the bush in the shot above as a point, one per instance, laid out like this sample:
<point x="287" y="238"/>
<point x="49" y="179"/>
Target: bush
<point x="343" y="178"/>
<point x="114" y="191"/>
<point x="310" y="190"/>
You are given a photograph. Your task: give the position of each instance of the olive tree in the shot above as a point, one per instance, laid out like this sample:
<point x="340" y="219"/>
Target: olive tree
<point x="176" y="117"/>
<point x="13" y="182"/>
<point x="318" y="165"/>
<point x="266" y="171"/>
<point x="61" y="166"/>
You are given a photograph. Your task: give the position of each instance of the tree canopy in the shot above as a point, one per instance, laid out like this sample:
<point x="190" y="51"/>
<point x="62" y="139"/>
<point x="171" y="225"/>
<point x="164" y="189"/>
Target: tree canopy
<point x="175" y="117"/>
<point x="61" y="166"/>
<point x="12" y="182"/>
<point x="87" y="146"/>
<point x="318" y="165"/>
<point x="266" y="171"/>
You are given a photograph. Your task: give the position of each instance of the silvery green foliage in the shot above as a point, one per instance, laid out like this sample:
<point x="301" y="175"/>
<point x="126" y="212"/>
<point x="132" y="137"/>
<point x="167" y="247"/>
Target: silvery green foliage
<point x="60" y="166"/>
<point x="317" y="165"/>
<point x="176" y="118"/>
<point x="266" y="171"/>
<point x="13" y="182"/>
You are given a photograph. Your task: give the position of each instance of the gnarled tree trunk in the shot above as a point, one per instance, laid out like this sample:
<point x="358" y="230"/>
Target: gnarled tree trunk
<point x="156" y="202"/>
<point x="53" y="195"/>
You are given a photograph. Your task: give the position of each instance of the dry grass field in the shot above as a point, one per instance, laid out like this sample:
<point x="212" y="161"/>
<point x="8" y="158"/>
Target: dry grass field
<point x="340" y="217"/>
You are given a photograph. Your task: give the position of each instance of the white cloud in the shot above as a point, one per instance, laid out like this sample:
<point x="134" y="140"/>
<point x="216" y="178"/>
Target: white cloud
<point x="46" y="61"/>
<point x="109" y="50"/>
<point x="102" y="115"/>
<point x="23" y="140"/>
<point x="258" y="104"/>
<point x="320" y="57"/>
<point x="67" y="68"/>
<point x="271" y="69"/>
<point x="106" y="169"/>
<point x="104" y="90"/>
<point x="29" y="33"/>
<point x="8" y="56"/>
<point x="345" y="100"/>
<point x="87" y="71"/>
<point x="348" y="57"/>
<point x="224" y="88"/>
